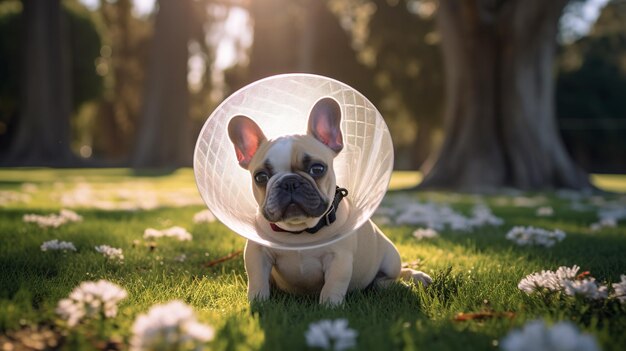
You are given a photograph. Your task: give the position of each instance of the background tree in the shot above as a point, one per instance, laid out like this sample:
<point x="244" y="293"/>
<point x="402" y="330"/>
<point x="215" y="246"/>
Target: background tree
<point x="591" y="91"/>
<point x="303" y="36"/>
<point x="500" y="128"/>
<point x="407" y="71"/>
<point x="46" y="74"/>
<point x="122" y="63"/>
<point x="164" y="138"/>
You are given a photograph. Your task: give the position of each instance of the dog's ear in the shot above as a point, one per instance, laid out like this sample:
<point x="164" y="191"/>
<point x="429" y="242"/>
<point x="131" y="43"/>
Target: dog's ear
<point x="246" y="137"/>
<point x="325" y="123"/>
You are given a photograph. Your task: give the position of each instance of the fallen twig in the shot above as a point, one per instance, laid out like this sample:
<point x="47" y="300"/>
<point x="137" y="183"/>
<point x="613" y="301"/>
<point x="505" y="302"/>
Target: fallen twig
<point x="230" y="256"/>
<point x="463" y="317"/>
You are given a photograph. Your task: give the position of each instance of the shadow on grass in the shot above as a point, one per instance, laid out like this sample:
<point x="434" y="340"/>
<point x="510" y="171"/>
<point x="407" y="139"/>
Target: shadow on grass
<point x="397" y="317"/>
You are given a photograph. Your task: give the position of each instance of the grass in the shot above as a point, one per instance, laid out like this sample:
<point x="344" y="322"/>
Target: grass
<point x="472" y="272"/>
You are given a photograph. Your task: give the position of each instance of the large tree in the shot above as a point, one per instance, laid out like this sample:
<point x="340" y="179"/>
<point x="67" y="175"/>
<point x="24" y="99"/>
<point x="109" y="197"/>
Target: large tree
<point x="303" y="36"/>
<point x="42" y="136"/>
<point x="500" y="128"/>
<point x="164" y="136"/>
<point x="409" y="73"/>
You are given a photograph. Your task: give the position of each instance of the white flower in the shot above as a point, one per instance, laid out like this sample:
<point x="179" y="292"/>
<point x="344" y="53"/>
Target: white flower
<point x="438" y="217"/>
<point x="620" y="289"/>
<point x="57" y="245"/>
<point x="53" y="220"/>
<point x="587" y="288"/>
<point x="521" y="201"/>
<point x="170" y="325"/>
<point x="110" y="252"/>
<point x="607" y="222"/>
<point x="180" y="258"/>
<point x="482" y="215"/>
<point x="175" y="232"/>
<point x="70" y="216"/>
<point x="536" y="336"/>
<point x="538" y="281"/>
<point x="331" y="335"/>
<point x="29" y="187"/>
<point x="535" y="236"/>
<point x="91" y="299"/>
<point x="7" y="197"/>
<point x="552" y="281"/>
<point x="425" y="233"/>
<point x="545" y="211"/>
<point x="567" y="273"/>
<point x="205" y="216"/>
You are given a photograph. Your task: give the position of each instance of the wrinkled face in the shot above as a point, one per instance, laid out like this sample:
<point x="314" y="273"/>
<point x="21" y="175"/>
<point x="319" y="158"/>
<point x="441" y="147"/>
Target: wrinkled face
<point x="293" y="179"/>
<point x="292" y="176"/>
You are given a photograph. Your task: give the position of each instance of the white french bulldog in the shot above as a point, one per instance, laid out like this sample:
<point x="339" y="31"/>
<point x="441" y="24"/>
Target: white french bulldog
<point x="299" y="202"/>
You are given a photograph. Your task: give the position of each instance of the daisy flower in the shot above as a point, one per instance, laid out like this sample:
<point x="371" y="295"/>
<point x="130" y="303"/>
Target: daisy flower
<point x="331" y="335"/>
<point x="587" y="288"/>
<point x="174" y="232"/>
<point x="55" y="244"/>
<point x="427" y="233"/>
<point x="170" y="326"/>
<point x="535" y="236"/>
<point x="537" y="336"/>
<point x="205" y="216"/>
<point x="549" y="280"/>
<point x="620" y="289"/>
<point x="91" y="299"/>
<point x="545" y="211"/>
<point x="53" y="220"/>
<point x="110" y="252"/>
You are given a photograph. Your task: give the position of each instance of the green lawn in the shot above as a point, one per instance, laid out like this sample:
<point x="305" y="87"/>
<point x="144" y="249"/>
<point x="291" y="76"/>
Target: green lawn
<point x="473" y="272"/>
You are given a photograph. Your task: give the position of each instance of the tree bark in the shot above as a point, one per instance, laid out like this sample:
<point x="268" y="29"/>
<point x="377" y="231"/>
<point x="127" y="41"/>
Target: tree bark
<point x="43" y="130"/>
<point x="499" y="122"/>
<point x="164" y="136"/>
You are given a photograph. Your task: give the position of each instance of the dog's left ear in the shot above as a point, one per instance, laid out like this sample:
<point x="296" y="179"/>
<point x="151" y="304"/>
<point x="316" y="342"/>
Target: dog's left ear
<point x="246" y="137"/>
<point x="325" y="123"/>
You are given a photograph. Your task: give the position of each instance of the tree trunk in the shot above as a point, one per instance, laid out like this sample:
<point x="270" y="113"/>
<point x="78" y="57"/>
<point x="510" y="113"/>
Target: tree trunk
<point x="423" y="143"/>
<point x="43" y="130"/>
<point x="164" y="137"/>
<point x="500" y="127"/>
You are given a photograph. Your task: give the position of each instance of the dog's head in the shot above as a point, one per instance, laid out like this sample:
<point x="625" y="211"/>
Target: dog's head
<point x="292" y="176"/>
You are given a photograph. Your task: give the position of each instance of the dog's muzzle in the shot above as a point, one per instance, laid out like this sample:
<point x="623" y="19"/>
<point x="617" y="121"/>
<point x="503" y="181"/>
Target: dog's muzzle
<point x="293" y="196"/>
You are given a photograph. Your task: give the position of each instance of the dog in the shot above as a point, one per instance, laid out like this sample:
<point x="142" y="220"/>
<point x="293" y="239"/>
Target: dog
<point x="294" y="184"/>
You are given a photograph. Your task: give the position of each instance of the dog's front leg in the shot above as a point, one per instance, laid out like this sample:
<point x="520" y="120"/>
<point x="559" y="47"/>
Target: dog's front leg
<point x="337" y="276"/>
<point x="258" y="267"/>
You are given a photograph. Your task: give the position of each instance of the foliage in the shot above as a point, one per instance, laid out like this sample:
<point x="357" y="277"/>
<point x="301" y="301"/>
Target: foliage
<point x="591" y="90"/>
<point x="122" y="64"/>
<point x="473" y="272"/>
<point x="402" y="47"/>
<point x="84" y="48"/>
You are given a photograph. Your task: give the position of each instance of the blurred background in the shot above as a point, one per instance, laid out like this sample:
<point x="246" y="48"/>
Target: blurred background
<point x="129" y="83"/>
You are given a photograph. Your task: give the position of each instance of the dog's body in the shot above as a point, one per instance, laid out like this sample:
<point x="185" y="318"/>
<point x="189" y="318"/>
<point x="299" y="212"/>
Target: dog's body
<point x="294" y="185"/>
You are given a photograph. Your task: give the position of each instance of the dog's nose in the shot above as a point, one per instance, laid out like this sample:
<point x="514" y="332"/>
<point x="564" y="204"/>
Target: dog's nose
<point x="290" y="183"/>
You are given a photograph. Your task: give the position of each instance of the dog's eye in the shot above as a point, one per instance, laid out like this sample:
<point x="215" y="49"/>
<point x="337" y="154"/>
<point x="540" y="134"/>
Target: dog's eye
<point x="317" y="170"/>
<point x="261" y="177"/>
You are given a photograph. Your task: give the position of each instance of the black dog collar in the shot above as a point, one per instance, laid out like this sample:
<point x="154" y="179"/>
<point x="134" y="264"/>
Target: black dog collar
<point x="329" y="217"/>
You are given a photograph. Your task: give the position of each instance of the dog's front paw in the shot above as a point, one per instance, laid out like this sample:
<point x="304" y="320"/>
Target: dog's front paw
<point x="259" y="295"/>
<point x="331" y="300"/>
<point x="408" y="275"/>
<point x="419" y="276"/>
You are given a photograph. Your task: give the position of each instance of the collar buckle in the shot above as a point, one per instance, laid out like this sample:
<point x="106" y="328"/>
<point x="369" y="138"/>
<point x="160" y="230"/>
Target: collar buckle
<point x="330" y="212"/>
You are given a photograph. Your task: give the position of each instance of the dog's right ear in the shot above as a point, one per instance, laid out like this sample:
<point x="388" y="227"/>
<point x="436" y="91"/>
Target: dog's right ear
<point x="246" y="137"/>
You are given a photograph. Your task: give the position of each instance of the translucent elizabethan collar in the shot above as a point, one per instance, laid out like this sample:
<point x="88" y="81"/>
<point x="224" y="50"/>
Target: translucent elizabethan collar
<point x="280" y="105"/>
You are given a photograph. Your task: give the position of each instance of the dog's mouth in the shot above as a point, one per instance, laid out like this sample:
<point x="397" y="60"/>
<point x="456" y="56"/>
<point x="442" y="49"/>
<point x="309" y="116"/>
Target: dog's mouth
<point x="293" y="211"/>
